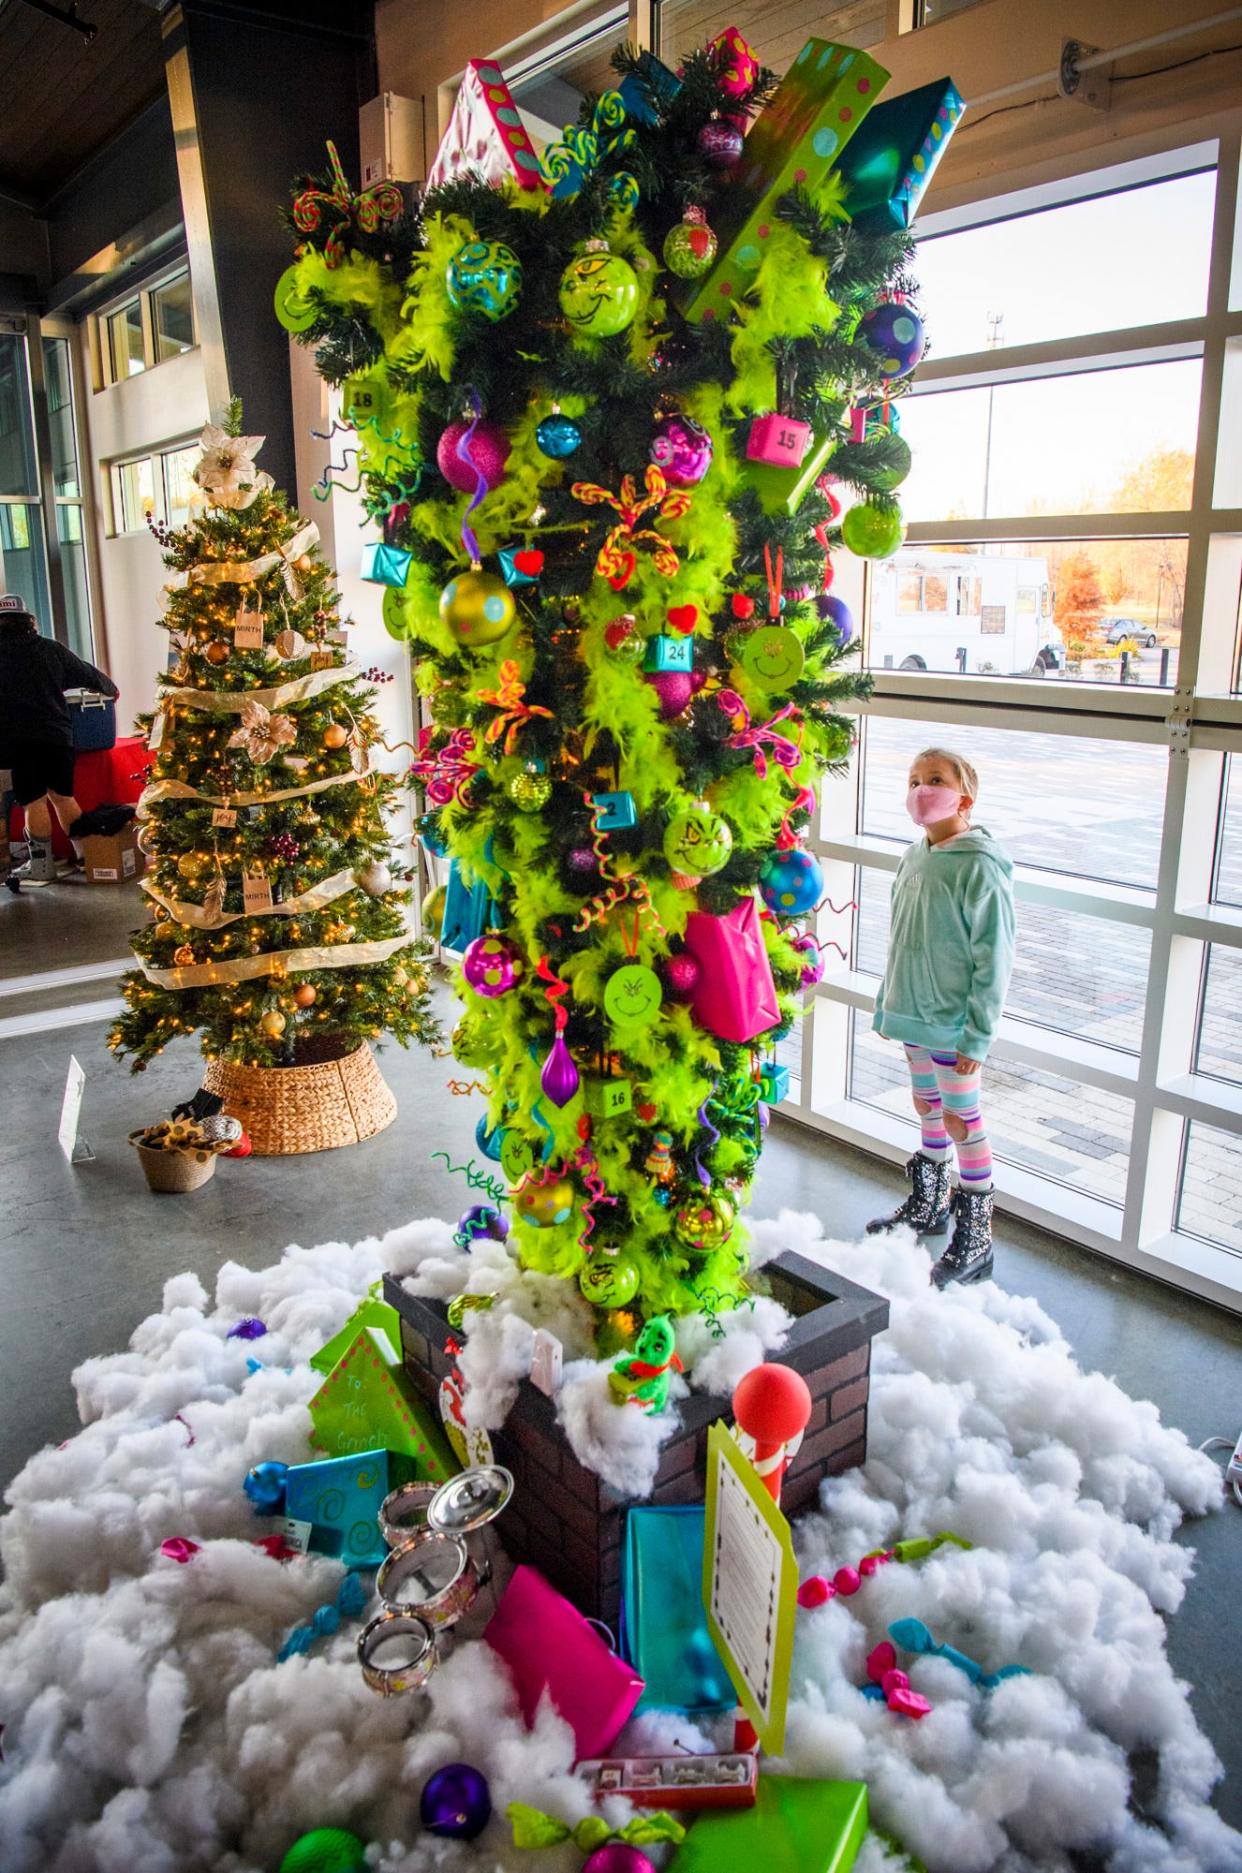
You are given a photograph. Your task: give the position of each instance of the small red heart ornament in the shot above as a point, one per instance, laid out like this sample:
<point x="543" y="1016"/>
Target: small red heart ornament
<point x="741" y="606"/>
<point x="683" y="618"/>
<point x="529" y="561"/>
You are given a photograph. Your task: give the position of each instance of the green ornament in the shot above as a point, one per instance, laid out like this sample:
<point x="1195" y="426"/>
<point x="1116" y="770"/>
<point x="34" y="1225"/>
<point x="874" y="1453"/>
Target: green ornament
<point x="697" y="841"/>
<point x="326" y="1850"/>
<point x="465" y="1043"/>
<point x="609" y="1280"/>
<point x="294" y="313"/>
<point x="889" y="478"/>
<point x="772" y="656"/>
<point x="873" y="532"/>
<point x="633" y="995"/>
<point x="397" y="622"/>
<point x="364" y="399"/>
<point x="517" y="1155"/>
<point x="630" y="649"/>
<point x="486" y="277"/>
<point x="705" y="1222"/>
<point x="599" y="292"/>
<point x="690" y="246"/>
<point x="529" y="792"/>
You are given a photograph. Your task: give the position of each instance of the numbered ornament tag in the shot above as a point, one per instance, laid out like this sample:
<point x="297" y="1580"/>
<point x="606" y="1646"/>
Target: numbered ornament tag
<point x="632" y="996"/>
<point x="223" y="816"/>
<point x="248" y="630"/>
<point x="471" y="1444"/>
<point x="256" y="892"/>
<point x="772" y="657"/>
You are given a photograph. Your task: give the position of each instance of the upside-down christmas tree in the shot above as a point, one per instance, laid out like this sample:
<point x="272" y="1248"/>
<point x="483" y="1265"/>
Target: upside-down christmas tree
<point x="277" y="929"/>
<point x="606" y="410"/>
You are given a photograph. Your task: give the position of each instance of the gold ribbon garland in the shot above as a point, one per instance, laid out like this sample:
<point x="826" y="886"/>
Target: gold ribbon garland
<point x="250" y="571"/>
<point x="233" y="701"/>
<point x="198" y="917"/>
<point x="181" y="790"/>
<point x="282" y="962"/>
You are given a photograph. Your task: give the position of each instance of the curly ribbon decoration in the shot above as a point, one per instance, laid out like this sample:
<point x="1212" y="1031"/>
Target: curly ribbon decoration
<point x="585" y="1161"/>
<point x="468" y="539"/>
<point x="509" y="698"/>
<point x="178" y="1419"/>
<point x="626" y="888"/>
<point x="447" y="773"/>
<point x="616" y="562"/>
<point x="785" y="753"/>
<point x="704" y="1175"/>
<point x="599" y="838"/>
<point x="776" y="578"/>
<point x="786" y="837"/>
<point x="824" y="487"/>
<point x="325" y="486"/>
<point x="383" y="202"/>
<point x="459" y="1088"/>
<point x="477" y="1180"/>
<point x="534" y="1829"/>
<point x="350" y="1600"/>
<point x="553" y="993"/>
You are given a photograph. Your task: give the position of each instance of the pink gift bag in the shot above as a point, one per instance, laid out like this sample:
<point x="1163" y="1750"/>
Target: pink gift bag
<point x="735" y="997"/>
<point x="549" y="1646"/>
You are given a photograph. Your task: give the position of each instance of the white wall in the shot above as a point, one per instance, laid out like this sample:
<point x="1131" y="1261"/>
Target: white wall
<point x="155" y="410"/>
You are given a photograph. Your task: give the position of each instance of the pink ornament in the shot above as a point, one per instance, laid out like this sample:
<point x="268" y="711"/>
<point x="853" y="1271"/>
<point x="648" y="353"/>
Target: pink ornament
<point x="492" y="965"/>
<point x="735" y="61"/>
<point x="847" y="1580"/>
<point x="581" y="858"/>
<point x="488" y="452"/>
<point x="617" y="1857"/>
<point x="880" y="1659"/>
<point x="813" y="959"/>
<point x="179" y="1548"/>
<point x="780" y="441"/>
<point x="674" y="688"/>
<point x="682" y="450"/>
<point x="721" y="144"/>
<point x="681" y="973"/>
<point x="815" y="1591"/>
<point x="559" y="1078"/>
<point x="736" y="997"/>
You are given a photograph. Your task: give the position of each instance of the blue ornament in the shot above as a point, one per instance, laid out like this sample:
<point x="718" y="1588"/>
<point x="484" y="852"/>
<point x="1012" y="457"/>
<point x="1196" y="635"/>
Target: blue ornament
<point x="836" y="612"/>
<point x="791" y="882"/>
<point x="486" y="277"/>
<point x="431" y="836"/>
<point x="558" y="436"/>
<point x="265" y="1486"/>
<point x="456" y="1802"/>
<point x="896" y="332"/>
<point x="489" y="1139"/>
<point x="512" y="571"/>
<point x="248" y="1329"/>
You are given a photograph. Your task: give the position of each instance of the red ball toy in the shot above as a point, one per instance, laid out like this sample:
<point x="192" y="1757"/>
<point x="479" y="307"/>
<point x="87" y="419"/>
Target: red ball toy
<point x="242" y="1149"/>
<point x="772" y="1403"/>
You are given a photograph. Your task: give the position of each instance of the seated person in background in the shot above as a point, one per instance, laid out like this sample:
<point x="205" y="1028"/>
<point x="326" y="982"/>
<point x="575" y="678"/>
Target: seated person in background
<point x="36" y="741"/>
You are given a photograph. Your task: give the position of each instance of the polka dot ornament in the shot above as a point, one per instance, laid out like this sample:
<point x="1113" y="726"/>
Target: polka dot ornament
<point x="791" y="883"/>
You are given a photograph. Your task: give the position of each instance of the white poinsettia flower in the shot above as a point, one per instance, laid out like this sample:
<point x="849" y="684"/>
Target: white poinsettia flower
<point x="227" y="473"/>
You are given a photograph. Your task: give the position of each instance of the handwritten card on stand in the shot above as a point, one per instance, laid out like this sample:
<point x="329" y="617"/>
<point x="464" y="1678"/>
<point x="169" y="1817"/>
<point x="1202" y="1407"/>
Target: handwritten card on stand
<point x="750" y="1586"/>
<point x="76" y="1149"/>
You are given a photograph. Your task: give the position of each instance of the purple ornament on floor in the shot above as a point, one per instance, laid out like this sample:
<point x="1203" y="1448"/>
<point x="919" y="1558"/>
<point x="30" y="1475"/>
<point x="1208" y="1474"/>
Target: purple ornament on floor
<point x="251" y="1329"/>
<point x="674" y="688"/>
<point x="559" y="1078"/>
<point x="618" y="1857"/>
<point x="489" y="451"/>
<point x="681" y="449"/>
<point x="720" y="144"/>
<point x="456" y="1802"/>
<point x="836" y="612"/>
<point x="481" y="1219"/>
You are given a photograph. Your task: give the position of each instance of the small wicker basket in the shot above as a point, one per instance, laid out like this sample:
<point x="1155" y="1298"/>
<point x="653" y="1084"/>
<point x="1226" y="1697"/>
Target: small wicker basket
<point x="173" y="1171"/>
<point x="287" y="1110"/>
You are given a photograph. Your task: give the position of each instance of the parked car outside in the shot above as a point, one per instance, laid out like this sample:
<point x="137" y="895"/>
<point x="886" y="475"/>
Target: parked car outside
<point x="1122" y="630"/>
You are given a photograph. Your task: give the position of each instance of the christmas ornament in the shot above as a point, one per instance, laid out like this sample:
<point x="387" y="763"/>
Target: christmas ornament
<point x="485" y="136"/>
<point x="469" y="451"/>
<point x="326" y="1850"/>
<point x="705" y="1222"/>
<point x="736" y="65"/>
<point x="771" y="656"/>
<point x="895" y="330"/>
<point x="335" y="735"/>
<point x="581" y="859"/>
<point x="520" y="565"/>
<point x="456" y="1802"/>
<point x="304" y="994"/>
<point x="517" y="1155"/>
<point x="774" y="1083"/>
<point x="264" y="1487"/>
<point x="483" y="1219"/>
<point x="690" y="246"/>
<point x="273" y="1024"/>
<point x="872" y="532"/>
<point x="607" y="1099"/>
<point x="668" y="653"/>
<point x="633" y="995"/>
<point x="659" y="1160"/>
<point x="293" y="311"/>
<point x="433" y="909"/>
<point x="545" y="1206"/>
<point x="477" y="607"/>
<point x="486" y="277"/>
<point x="530" y="792"/>
<point x="375" y="878"/>
<point x="262" y="734"/>
<point x="720" y="144"/>
<point x="617" y="1856"/>
<point x="674" y="688"/>
<point x="429" y="832"/>
<point x="559" y="1077"/>
<point x="735" y="996"/>
<point x="614" y="812"/>
<point x="836" y="612"/>
<point x="779" y="441"/>
<point x="697" y="842"/>
<point x="617" y="560"/>
<point x="492" y="965"/>
<point x="599" y="292"/>
<point x="558" y="436"/>
<point x="195" y="866"/>
<point x="791" y="883"/>
<point x="681" y="974"/>
<point x="382" y="202"/>
<point x="629" y="649"/>
<point x="183" y="954"/>
<point x="889" y="164"/>
<point x="284" y="845"/>
<point x="218" y="651"/>
<point x="384" y="564"/>
<point x="609" y="1280"/>
<point x="642" y="1377"/>
<point x="681" y="449"/>
<point x="813" y="964"/>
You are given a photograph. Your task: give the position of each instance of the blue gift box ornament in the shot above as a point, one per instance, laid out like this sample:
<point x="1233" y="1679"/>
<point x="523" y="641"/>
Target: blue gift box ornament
<point x="773" y="1084"/>
<point x="648" y="86"/>
<point x="510" y="571"/>
<point x="385" y="565"/>
<point x="614" y="812"/>
<point x="669" y="653"/>
<point x="892" y="156"/>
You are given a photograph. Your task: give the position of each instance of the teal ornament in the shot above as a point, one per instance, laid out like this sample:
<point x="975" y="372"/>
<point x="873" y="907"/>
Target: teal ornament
<point x="892" y="155"/>
<point x="614" y="812"/>
<point x="567" y="164"/>
<point x="489" y="1139"/>
<point x="385" y="565"/>
<point x="648" y="87"/>
<point x="633" y="995"/>
<point x="791" y="883"/>
<point x="624" y="190"/>
<point x="669" y="653"/>
<point x="558" y="436"/>
<point x="486" y="277"/>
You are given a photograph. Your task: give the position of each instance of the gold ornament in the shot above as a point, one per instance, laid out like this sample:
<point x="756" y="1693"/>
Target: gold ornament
<point x="194" y="866"/>
<point x="273" y="1024"/>
<point x="217" y="651"/>
<point x="304" y="994"/>
<point x="545" y="1205"/>
<point x="335" y="736"/>
<point x="183" y="954"/>
<point x="530" y="792"/>
<point x="289" y="644"/>
<point x="262" y="733"/>
<point x="477" y="607"/>
<point x="303" y="562"/>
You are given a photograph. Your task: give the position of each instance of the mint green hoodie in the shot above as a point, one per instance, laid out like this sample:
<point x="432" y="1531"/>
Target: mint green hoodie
<point x="950" y="948"/>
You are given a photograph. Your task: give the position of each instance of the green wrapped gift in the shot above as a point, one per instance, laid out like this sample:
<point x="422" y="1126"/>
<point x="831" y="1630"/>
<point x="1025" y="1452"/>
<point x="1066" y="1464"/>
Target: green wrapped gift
<point x="372" y="1313"/>
<point x="795" y="1826"/>
<point x="368" y="1403"/>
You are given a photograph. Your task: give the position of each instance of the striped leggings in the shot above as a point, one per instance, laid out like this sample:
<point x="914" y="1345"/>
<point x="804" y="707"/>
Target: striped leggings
<point x="948" y="1094"/>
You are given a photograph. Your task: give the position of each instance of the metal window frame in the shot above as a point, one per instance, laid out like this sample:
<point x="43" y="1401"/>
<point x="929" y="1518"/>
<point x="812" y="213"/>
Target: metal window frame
<point x="1198" y="723"/>
<point x="142" y="293"/>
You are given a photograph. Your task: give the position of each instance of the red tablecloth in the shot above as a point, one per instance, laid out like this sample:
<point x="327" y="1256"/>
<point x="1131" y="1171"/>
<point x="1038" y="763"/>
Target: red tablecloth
<point x="109" y="777"/>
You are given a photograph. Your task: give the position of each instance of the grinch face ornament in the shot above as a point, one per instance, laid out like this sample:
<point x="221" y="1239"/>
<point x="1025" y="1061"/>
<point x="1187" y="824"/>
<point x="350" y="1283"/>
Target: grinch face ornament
<point x="599" y="292"/>
<point x="609" y="1280"/>
<point x="486" y="277"/>
<point x="697" y="842"/>
<point x="632" y="996"/>
<point x="772" y="656"/>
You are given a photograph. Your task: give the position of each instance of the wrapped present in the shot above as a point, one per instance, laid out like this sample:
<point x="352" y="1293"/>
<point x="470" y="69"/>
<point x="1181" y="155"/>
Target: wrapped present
<point x="782" y="490"/>
<point x="339" y="1499"/>
<point x="774" y="1083"/>
<point x="780" y="441"/>
<point x="665" y="1631"/>
<point x="796" y="140"/>
<point x="891" y="159"/>
<point x="469" y="910"/>
<point x="367" y="1403"/>
<point x="607" y="1099"/>
<point x="614" y="812"/>
<point x="734" y="996"/>
<point x="373" y="1312"/>
<point x="552" y="1651"/>
<point x="485" y="136"/>
<point x="796" y="1826"/>
<point x="385" y="565"/>
<point x="669" y="653"/>
<point x="649" y="85"/>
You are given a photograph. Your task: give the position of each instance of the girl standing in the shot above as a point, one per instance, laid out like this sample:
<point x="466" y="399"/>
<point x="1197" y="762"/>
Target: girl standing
<point x="949" y="957"/>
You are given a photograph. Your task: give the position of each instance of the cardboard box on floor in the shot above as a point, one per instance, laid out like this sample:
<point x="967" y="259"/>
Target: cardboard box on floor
<point x="115" y="859"/>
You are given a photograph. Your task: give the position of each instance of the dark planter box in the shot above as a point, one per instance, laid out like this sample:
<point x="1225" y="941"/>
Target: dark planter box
<point x="569" y="1524"/>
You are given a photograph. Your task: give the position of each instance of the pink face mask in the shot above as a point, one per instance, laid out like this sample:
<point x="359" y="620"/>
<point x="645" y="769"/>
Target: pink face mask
<point x="926" y="805"/>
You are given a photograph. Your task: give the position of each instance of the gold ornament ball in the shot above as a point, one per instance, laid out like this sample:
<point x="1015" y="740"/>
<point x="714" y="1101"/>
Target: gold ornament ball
<point x="545" y="1206"/>
<point x="217" y="651"/>
<point x="530" y="792"/>
<point x="304" y="994"/>
<point x="477" y="607"/>
<point x="433" y="910"/>
<point x="194" y="866"/>
<point x="273" y="1024"/>
<point x="183" y="954"/>
<point x="303" y="562"/>
<point x="705" y="1222"/>
<point x="335" y="736"/>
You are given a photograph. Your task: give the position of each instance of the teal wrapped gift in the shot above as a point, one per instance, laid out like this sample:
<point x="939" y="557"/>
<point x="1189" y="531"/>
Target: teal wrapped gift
<point x="795" y="1826"/>
<point x="891" y="158"/>
<point x="665" y="1633"/>
<point x="340" y="1497"/>
<point x="385" y="565"/>
<point x="469" y="910"/>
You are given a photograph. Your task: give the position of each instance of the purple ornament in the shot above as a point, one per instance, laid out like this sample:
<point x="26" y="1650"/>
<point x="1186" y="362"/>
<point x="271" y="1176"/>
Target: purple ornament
<point x="682" y="450"/>
<point x="492" y="965"/>
<point x="836" y="612"/>
<point x="456" y="1802"/>
<point x="681" y="973"/>
<point x="481" y="1219"/>
<point x="895" y="330"/>
<point x="489" y="451"/>
<point x="251" y="1329"/>
<point x="720" y="144"/>
<point x="674" y="688"/>
<point x="618" y="1856"/>
<point x="813" y="965"/>
<point x="581" y="858"/>
<point x="559" y="1078"/>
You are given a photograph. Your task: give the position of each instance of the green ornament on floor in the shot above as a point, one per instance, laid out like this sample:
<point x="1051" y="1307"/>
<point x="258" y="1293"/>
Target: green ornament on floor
<point x="326" y="1850"/>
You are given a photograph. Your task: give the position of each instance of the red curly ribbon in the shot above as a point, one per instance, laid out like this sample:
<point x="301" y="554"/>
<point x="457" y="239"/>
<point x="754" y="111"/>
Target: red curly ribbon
<point x="509" y="698"/>
<point x="616" y="561"/>
<point x="584" y="1161"/>
<point x="553" y="993"/>
<point x="786" y="838"/>
<point x="776" y="577"/>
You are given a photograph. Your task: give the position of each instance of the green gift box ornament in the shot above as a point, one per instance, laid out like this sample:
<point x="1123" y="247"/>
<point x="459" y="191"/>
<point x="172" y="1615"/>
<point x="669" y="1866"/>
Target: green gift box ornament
<point x="385" y="565"/>
<point x="373" y="1312"/>
<point x="796" y="1826"/>
<point x="368" y="1403"/>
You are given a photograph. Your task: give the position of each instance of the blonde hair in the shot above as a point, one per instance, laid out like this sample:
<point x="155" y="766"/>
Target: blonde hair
<point x="968" y="779"/>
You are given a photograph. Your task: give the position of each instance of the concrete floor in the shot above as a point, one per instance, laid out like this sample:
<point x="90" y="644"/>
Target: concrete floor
<point x="84" y="1250"/>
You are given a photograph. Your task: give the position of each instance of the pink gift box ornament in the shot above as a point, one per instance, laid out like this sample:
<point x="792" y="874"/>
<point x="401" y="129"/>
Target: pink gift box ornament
<point x="780" y="441"/>
<point x="550" y="1648"/>
<point x="485" y="139"/>
<point x="735" y="997"/>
